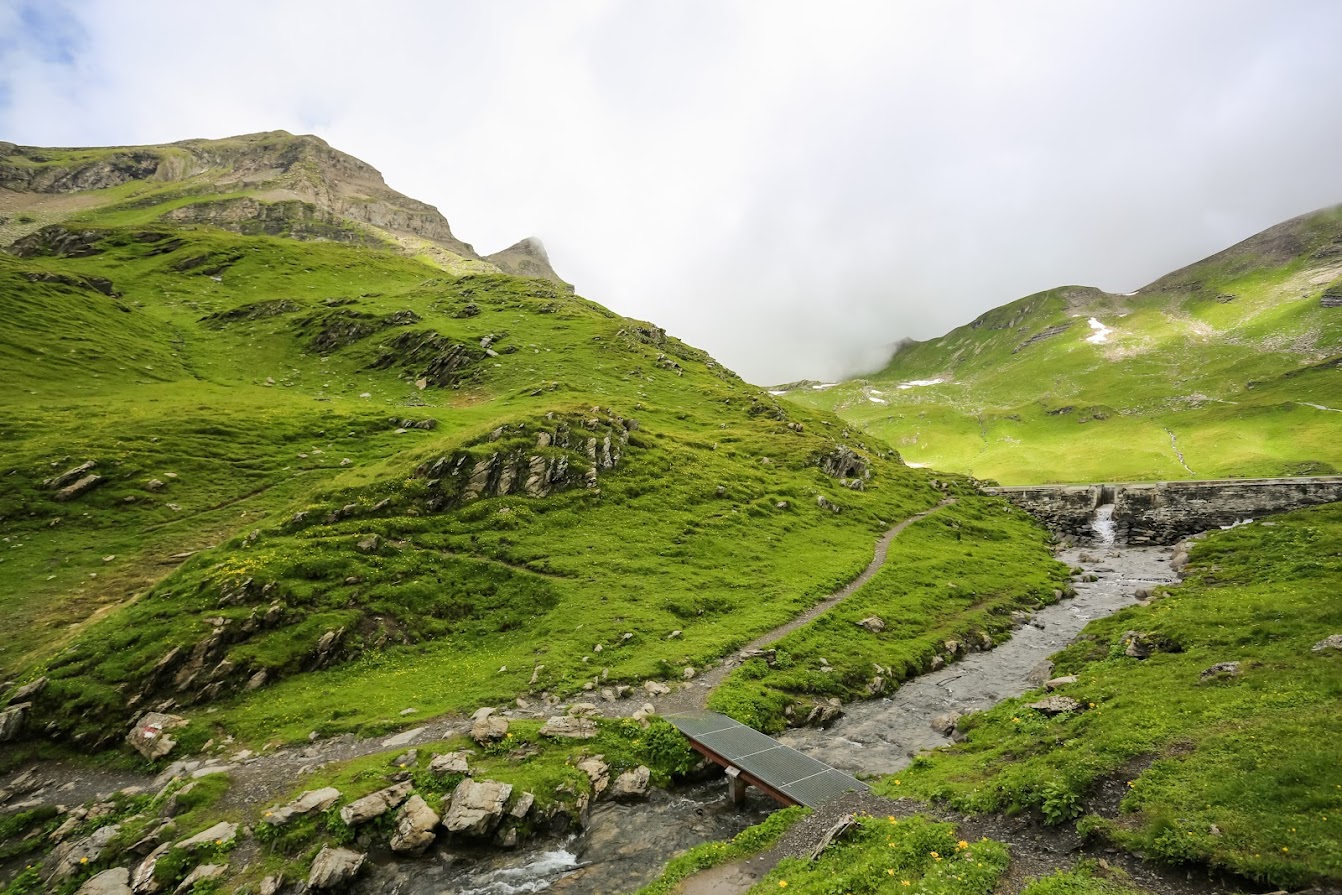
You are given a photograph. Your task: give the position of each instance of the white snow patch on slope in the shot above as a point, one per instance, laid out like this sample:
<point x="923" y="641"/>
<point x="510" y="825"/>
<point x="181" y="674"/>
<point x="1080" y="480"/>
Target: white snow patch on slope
<point x="1101" y="334"/>
<point x="824" y="385"/>
<point x="916" y="465"/>
<point x="918" y="383"/>
<point x="876" y="400"/>
<point x="776" y="392"/>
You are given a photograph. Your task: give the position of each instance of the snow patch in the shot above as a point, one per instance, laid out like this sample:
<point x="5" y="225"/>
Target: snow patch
<point x="777" y="392"/>
<point x="918" y="383"/>
<point x="824" y="385"/>
<point x="1101" y="334"/>
<point x="916" y="465"/>
<point x="876" y="400"/>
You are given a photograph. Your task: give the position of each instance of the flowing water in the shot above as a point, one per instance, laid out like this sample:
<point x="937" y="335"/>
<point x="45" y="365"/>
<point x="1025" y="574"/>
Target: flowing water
<point x="881" y="736"/>
<point x="626" y="846"/>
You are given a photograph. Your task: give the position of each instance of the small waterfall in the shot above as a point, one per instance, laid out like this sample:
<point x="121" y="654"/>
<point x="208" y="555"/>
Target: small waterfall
<point x="1102" y="523"/>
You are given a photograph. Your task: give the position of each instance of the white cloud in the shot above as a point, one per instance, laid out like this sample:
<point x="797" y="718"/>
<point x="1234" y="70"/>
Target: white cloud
<point x="792" y="186"/>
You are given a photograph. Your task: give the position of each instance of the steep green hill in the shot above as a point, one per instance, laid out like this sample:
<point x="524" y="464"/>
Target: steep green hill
<point x="253" y="470"/>
<point x="1229" y="367"/>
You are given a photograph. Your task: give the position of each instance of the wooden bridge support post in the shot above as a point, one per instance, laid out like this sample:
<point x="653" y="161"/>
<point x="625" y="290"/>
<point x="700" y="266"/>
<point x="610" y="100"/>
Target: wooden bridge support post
<point x="736" y="787"/>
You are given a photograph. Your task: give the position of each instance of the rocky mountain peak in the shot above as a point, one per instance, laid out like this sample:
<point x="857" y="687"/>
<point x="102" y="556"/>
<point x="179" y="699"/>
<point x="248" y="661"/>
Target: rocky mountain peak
<point x="527" y="258"/>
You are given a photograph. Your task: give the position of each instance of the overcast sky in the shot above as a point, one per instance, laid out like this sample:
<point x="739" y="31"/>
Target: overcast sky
<point x="791" y="186"/>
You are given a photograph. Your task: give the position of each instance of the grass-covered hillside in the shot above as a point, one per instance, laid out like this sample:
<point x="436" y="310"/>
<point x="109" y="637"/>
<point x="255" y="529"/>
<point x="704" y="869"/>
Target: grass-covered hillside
<point x="1229" y="367"/>
<point x="306" y="483"/>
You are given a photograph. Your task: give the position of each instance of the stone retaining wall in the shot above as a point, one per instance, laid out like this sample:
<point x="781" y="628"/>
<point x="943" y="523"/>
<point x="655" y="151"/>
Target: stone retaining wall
<point x="1166" y="512"/>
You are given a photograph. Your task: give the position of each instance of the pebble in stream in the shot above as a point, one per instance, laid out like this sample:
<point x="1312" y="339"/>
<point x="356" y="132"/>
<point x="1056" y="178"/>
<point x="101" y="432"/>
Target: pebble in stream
<point x="881" y="736"/>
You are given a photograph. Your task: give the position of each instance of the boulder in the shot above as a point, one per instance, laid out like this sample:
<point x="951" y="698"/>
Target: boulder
<point x="477" y="807"/>
<point x="569" y="727"/>
<point x="312" y="801"/>
<point x="1220" y="670"/>
<point x="70" y="856"/>
<point x="522" y="807"/>
<point x="646" y="711"/>
<point x="824" y="714"/>
<point x="944" y="724"/>
<point x="1055" y="683"/>
<point x="403" y="739"/>
<point x="375" y="805"/>
<point x="1056" y="705"/>
<point x="110" y="882"/>
<point x="488" y="727"/>
<point x="873" y="623"/>
<point x="221" y="833"/>
<point x="151" y="734"/>
<point x="655" y="688"/>
<point x="414" y="827"/>
<point x="1331" y="642"/>
<point x="271" y="885"/>
<point x="583" y="708"/>
<point x="598" y="772"/>
<point x="450" y="763"/>
<point x="631" y="785"/>
<point x="334" y="867"/>
<point x="87" y="483"/>
<point x="13" y="721"/>
<point x="142" y="881"/>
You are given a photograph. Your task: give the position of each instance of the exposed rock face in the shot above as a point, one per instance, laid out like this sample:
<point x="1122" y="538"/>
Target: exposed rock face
<point x="110" y="882"/>
<point x="874" y="623"/>
<point x="598" y="772"/>
<point x="415" y="823"/>
<point x="277" y="166"/>
<point x="527" y="259"/>
<point x="1056" y="705"/>
<point x="1166" y="512"/>
<point x="221" y="833"/>
<point x="28" y="691"/>
<point x="1331" y="642"/>
<point x="477" y="807"/>
<point x="842" y="462"/>
<point x="151" y="735"/>
<point x="450" y="763"/>
<point x="945" y="724"/>
<point x="374" y="805"/>
<point x="334" y="867"/>
<point x="488" y="727"/>
<point x="58" y="241"/>
<point x="575" y="452"/>
<point x="70" y="856"/>
<point x="85" y="484"/>
<point x="1220" y="670"/>
<point x="293" y="218"/>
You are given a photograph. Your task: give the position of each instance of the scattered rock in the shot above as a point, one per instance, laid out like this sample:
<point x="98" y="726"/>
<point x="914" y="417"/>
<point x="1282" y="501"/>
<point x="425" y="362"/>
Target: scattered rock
<point x="824" y="714"/>
<point x="1056" y="705"/>
<point x="477" y="807"/>
<point x="142" y="881"/>
<point x="87" y="483"/>
<point x="1055" y="683"/>
<point x="688" y="673"/>
<point x="150" y="735"/>
<point x="873" y="623"/>
<point x="1332" y="641"/>
<point x="221" y="833"/>
<point x="369" y="544"/>
<point x="110" y="882"/>
<point x="647" y="711"/>
<point x="488" y="727"/>
<point x="402" y="739"/>
<point x="271" y="885"/>
<point x="70" y="475"/>
<point x="450" y="763"/>
<point x="583" y="708"/>
<point x="1220" y="670"/>
<point x="415" y="823"/>
<point x="28" y="691"/>
<point x="631" y="785"/>
<point x="598" y="772"/>
<point x="374" y="805"/>
<point x="523" y="806"/>
<point x="1135" y="644"/>
<point x="309" y="802"/>
<point x="944" y="724"/>
<point x="334" y="867"/>
<point x="70" y="856"/>
<point x="570" y="727"/>
<point x="655" y="688"/>
<point x="201" y="873"/>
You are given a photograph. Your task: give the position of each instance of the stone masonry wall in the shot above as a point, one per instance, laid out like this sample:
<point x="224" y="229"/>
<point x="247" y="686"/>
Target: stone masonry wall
<point x="1167" y="512"/>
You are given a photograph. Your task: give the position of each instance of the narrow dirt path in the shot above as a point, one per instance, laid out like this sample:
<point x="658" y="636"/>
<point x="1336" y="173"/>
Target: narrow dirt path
<point x="693" y="696"/>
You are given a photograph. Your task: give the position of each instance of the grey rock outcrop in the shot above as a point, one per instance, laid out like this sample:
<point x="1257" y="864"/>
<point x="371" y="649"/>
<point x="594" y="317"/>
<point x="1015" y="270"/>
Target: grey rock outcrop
<point x="70" y="856"/>
<point x="451" y="763"/>
<point x="631" y="785"/>
<point x="221" y="833"/>
<point x="569" y="727"/>
<point x="151" y="736"/>
<point x="14" y="721"/>
<point x="598" y="772"/>
<point x="334" y="867"/>
<point x="1331" y="642"/>
<point x="312" y="801"/>
<point x="415" y="823"/>
<point x="1056" y="705"/>
<point x="110" y="882"/>
<point x="477" y="806"/>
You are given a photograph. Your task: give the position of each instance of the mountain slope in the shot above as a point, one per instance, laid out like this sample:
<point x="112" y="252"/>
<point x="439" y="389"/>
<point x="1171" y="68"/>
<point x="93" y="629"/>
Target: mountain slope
<point x="245" y="470"/>
<point x="1228" y="367"/>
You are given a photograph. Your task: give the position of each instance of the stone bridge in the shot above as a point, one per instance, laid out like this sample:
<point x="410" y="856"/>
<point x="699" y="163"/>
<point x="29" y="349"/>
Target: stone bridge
<point x="1166" y="512"/>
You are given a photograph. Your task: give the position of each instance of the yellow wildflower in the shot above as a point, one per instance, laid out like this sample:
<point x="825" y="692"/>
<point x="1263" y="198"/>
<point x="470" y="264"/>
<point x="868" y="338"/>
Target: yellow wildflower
<point x="962" y="844"/>
<point x="782" y="884"/>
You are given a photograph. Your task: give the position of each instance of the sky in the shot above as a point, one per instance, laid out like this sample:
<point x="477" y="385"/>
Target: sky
<point x="792" y="186"/>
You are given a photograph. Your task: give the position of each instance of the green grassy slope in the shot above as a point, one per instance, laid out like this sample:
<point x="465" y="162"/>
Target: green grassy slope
<point x="244" y="398"/>
<point x="1222" y="360"/>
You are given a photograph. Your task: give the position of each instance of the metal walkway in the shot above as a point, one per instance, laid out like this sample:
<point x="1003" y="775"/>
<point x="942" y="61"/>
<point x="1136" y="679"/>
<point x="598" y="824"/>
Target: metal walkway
<point x="758" y="759"/>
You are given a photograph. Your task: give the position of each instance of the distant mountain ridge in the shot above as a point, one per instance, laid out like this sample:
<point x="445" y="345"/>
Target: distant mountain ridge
<point x="1225" y="367"/>
<point x="272" y="182"/>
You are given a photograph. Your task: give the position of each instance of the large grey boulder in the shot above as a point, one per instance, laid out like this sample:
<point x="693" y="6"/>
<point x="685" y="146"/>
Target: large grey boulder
<point x="375" y="804"/>
<point x="598" y="772"/>
<point x="70" y="856"/>
<point x="200" y="874"/>
<point x="1331" y="642"/>
<point x="110" y="882"/>
<point x="451" y="763"/>
<point x="312" y="801"/>
<point x="488" y="727"/>
<point x="1056" y="705"/>
<point x="631" y="785"/>
<point x="414" y="827"/>
<point x="221" y="833"/>
<point x="477" y="807"/>
<point x="334" y="867"/>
